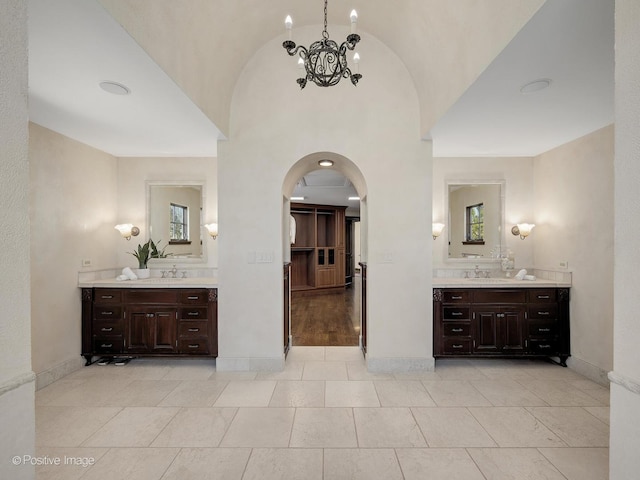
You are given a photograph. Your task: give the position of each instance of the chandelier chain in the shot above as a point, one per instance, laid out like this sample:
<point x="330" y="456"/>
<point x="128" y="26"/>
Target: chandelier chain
<point x="325" y="33"/>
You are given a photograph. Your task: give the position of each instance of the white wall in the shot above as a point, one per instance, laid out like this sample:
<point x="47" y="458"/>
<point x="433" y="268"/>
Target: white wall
<point x="16" y="378"/>
<point x="73" y="211"/>
<point x="625" y="391"/>
<point x="573" y="191"/>
<point x="517" y="172"/>
<point x="375" y="126"/>
<point x="133" y="175"/>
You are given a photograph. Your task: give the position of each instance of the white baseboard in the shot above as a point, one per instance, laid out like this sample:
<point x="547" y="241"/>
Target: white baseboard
<point x="586" y="369"/>
<point x="269" y="364"/>
<point x="400" y="365"/>
<point x="57" y="372"/>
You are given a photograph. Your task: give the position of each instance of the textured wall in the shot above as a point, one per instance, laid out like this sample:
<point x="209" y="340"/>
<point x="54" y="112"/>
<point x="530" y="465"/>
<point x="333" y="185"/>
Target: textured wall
<point x="16" y="379"/>
<point x="73" y="212"/>
<point x="376" y="127"/>
<point x="625" y="403"/>
<point x="574" y="222"/>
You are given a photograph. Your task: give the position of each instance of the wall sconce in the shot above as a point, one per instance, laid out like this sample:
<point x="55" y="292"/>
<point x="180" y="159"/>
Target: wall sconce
<point x="212" y="229"/>
<point x="522" y="229"/>
<point x="127" y="230"/>
<point x="436" y="229"/>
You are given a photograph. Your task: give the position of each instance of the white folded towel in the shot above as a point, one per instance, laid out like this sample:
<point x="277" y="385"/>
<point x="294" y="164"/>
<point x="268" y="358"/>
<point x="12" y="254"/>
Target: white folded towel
<point x="129" y="273"/>
<point x="530" y="277"/>
<point x="520" y="275"/>
<point x="122" y="278"/>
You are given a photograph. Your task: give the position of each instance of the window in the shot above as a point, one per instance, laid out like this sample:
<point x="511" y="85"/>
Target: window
<point x="475" y="224"/>
<point x="178" y="224"/>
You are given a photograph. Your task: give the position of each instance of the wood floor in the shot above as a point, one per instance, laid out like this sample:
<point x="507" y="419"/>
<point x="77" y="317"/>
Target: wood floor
<point x="327" y="320"/>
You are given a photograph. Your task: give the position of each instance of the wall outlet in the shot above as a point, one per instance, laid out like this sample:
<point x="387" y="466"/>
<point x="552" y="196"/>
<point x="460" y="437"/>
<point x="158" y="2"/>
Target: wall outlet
<point x="86" y="262"/>
<point x="564" y="264"/>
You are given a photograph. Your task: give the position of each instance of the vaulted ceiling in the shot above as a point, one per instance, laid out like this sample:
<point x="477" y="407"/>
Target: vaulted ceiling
<point x="467" y="58"/>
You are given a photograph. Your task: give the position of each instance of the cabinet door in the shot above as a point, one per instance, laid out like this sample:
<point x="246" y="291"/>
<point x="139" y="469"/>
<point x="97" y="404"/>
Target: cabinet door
<point x="137" y="331"/>
<point x="485" y="322"/>
<point x="151" y="330"/>
<point x="163" y="331"/>
<point x="512" y="333"/>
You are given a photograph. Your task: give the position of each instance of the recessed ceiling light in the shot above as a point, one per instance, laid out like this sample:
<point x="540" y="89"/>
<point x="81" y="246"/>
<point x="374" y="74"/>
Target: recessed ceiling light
<point x="325" y="163"/>
<point x="535" y="86"/>
<point x="115" y="88"/>
<point x="297" y="198"/>
<point x="354" y="198"/>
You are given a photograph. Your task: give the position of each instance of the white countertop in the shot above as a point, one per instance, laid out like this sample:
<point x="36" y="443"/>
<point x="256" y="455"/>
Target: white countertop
<point x="154" y="282"/>
<point x="496" y="283"/>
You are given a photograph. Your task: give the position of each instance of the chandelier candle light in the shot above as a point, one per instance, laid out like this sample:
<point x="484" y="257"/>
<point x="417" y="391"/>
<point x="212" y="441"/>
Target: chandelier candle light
<point x="324" y="61"/>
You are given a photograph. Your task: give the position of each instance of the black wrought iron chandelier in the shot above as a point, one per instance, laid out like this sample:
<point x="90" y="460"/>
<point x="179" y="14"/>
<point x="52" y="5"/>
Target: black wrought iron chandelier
<point x="324" y="61"/>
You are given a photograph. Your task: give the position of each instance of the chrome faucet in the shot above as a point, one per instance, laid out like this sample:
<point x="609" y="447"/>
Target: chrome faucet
<point x="477" y="272"/>
<point x="174" y="272"/>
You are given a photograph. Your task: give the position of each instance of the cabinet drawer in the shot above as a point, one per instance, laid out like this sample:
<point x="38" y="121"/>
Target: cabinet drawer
<point x="192" y="313"/>
<point x="106" y="327"/>
<point x="195" y="346"/>
<point x="456" y="296"/>
<point x="456" y="346"/>
<point x="107" y="312"/>
<point x="543" y="311"/>
<point x="455" y="313"/>
<point x="193" y="329"/>
<point x="451" y="329"/>
<point x="543" y="295"/>
<point x="198" y="297"/>
<point x="108" y="344"/>
<point x="155" y="296"/>
<point x="106" y="295"/>
<point x="543" y="347"/>
<point x="499" y="296"/>
<point x="543" y="329"/>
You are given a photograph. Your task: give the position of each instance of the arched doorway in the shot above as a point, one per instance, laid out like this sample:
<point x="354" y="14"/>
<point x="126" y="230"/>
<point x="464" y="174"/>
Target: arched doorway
<point x="324" y="285"/>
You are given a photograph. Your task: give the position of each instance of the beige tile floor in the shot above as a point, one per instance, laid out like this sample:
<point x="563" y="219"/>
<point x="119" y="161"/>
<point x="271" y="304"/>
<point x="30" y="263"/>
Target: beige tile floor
<point x="324" y="417"/>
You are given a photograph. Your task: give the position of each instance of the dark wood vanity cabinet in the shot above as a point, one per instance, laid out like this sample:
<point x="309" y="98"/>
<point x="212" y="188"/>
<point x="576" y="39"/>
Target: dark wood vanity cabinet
<point x="516" y="322"/>
<point x="149" y="322"/>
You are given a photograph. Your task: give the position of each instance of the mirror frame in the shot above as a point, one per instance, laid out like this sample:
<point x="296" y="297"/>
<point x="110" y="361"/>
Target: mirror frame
<point x="204" y="238"/>
<point x="501" y="227"/>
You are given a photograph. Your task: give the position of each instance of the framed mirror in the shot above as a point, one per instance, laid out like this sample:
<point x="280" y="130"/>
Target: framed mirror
<point x="475" y="211"/>
<point x="175" y="213"/>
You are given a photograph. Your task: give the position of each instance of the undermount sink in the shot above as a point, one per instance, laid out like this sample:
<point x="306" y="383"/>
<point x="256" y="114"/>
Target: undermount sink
<point x="486" y="280"/>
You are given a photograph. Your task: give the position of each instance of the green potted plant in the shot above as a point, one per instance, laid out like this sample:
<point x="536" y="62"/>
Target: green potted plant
<point x="144" y="252"/>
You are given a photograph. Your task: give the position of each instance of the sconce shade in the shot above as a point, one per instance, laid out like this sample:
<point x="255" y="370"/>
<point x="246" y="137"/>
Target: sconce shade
<point x="127" y="230"/>
<point x="522" y="229"/>
<point x="436" y="229"/>
<point x="212" y="228"/>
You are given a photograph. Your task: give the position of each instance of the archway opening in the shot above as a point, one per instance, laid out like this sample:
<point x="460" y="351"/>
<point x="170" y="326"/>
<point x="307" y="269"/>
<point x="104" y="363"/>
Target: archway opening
<point x="324" y="220"/>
